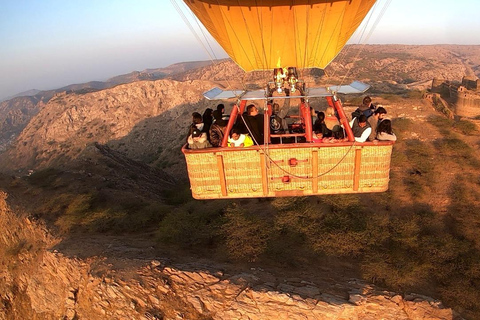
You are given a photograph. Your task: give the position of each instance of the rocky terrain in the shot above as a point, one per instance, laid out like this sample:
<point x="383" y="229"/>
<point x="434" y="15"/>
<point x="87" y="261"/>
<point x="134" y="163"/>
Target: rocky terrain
<point x="39" y="282"/>
<point x="15" y="113"/>
<point x="94" y="178"/>
<point x="129" y="116"/>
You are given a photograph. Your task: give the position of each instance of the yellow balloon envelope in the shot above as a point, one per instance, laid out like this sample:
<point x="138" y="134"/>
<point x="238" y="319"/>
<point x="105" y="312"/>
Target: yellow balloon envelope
<point x="267" y="34"/>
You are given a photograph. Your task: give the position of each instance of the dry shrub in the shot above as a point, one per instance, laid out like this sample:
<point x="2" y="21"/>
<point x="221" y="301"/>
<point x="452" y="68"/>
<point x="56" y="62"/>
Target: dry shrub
<point x="421" y="167"/>
<point x="45" y="178"/>
<point x="448" y="126"/>
<point x="246" y="233"/>
<point x="402" y="128"/>
<point x="336" y="225"/>
<point x="399" y="270"/>
<point x="459" y="150"/>
<point x="19" y="235"/>
<point x="391" y="97"/>
<point x="195" y="225"/>
<point x="465" y="127"/>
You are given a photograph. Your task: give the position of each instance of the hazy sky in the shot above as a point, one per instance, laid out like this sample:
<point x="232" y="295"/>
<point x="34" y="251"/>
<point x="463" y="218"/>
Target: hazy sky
<point x="48" y="44"/>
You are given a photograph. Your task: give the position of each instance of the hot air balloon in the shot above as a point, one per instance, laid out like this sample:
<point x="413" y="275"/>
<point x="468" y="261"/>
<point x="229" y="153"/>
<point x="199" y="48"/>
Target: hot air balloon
<point x="284" y="37"/>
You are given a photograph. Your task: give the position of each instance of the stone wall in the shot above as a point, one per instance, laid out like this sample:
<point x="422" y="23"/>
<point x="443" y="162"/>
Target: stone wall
<point x="465" y="98"/>
<point x="467" y="104"/>
<point x="472" y="84"/>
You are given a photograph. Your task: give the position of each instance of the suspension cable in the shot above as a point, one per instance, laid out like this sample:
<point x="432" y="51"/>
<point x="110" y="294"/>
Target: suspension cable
<point x="189" y="25"/>
<point x="364" y="38"/>
<point x="213" y="59"/>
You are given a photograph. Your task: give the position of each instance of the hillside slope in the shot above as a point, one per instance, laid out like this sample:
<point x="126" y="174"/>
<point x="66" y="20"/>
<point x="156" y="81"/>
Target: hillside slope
<point x="39" y="282"/>
<point x="70" y="122"/>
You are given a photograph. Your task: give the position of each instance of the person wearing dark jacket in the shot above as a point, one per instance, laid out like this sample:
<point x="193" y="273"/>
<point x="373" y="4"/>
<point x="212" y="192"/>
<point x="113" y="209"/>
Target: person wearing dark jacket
<point x="254" y="122"/>
<point x="207" y="118"/>
<point x="361" y="128"/>
<point x="320" y="126"/>
<point x="217" y="129"/>
<point x="367" y="108"/>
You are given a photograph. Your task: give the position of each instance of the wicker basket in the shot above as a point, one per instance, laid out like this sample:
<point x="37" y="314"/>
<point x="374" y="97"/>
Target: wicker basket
<point x="288" y="170"/>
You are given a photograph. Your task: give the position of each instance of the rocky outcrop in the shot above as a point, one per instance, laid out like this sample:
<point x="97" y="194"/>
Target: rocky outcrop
<point x="14" y="117"/>
<point x="37" y="282"/>
<point x="143" y="117"/>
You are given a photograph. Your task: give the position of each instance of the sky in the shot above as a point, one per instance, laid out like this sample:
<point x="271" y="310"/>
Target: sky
<point x="48" y="44"/>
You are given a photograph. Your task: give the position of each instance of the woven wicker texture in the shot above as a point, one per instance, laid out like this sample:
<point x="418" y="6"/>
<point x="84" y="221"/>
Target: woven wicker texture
<point x="335" y="169"/>
<point x="279" y="167"/>
<point x="375" y="168"/>
<point x="243" y="172"/>
<point x="289" y="171"/>
<point x="203" y="174"/>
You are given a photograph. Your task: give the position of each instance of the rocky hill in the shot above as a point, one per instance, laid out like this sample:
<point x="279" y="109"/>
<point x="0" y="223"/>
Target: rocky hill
<point x="128" y="116"/>
<point x="17" y="111"/>
<point x="15" y="114"/>
<point x="119" y="116"/>
<point x="388" y="68"/>
<point x="404" y="64"/>
<point x="39" y="282"/>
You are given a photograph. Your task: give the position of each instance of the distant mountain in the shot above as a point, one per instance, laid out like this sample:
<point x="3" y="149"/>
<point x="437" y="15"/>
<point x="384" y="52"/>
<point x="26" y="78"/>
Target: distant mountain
<point x="15" y="114"/>
<point x="148" y="74"/>
<point x="28" y="93"/>
<point x="16" y="111"/>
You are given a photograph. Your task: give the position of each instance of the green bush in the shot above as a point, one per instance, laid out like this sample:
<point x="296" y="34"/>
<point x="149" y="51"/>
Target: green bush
<point x="181" y="194"/>
<point x="465" y="127"/>
<point x="392" y="97"/>
<point x="195" y="225"/>
<point x="44" y="178"/>
<point x="453" y="147"/>
<point x="246" y="233"/>
<point x="459" y="150"/>
<point x="421" y="173"/>
<point x="414" y="94"/>
<point x="447" y="126"/>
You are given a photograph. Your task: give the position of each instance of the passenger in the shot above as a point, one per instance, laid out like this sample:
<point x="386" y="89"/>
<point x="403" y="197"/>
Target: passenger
<point x="367" y="108"/>
<point x="238" y="139"/>
<point x="221" y="109"/>
<point x="378" y="116"/>
<point x="198" y="140"/>
<point x="317" y="136"/>
<point x="254" y="122"/>
<point x="332" y="123"/>
<point x="321" y="127"/>
<point x="207" y="118"/>
<point x="197" y="123"/>
<point x="361" y="128"/>
<point x="217" y="130"/>
<point x="385" y="132"/>
<point x="331" y="120"/>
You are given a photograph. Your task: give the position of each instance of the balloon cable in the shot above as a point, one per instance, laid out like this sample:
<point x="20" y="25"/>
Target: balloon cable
<point x="363" y="39"/>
